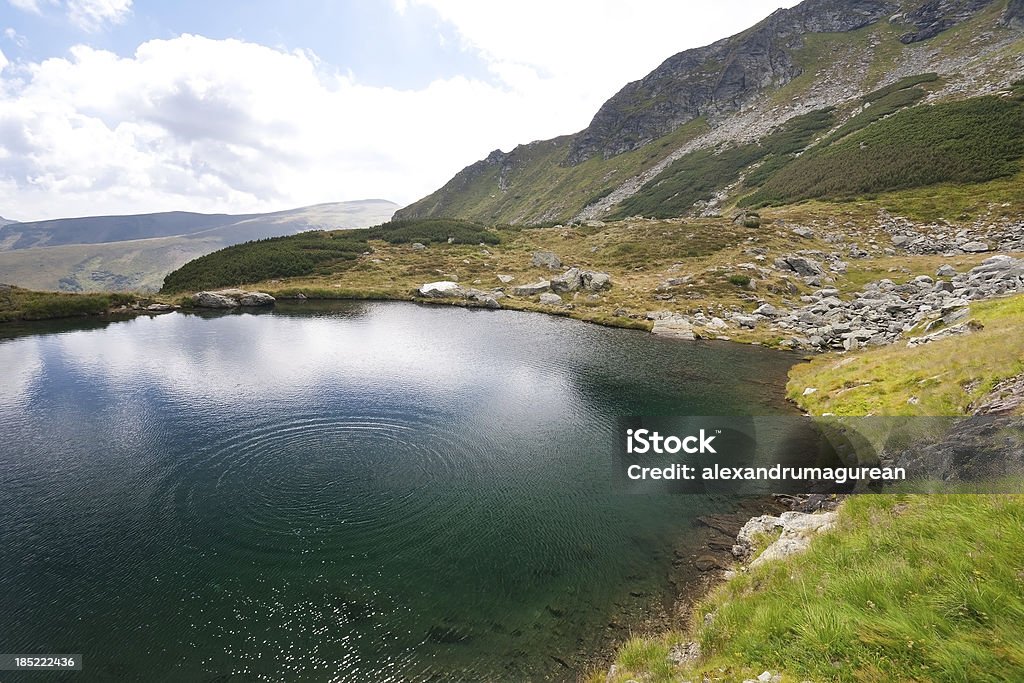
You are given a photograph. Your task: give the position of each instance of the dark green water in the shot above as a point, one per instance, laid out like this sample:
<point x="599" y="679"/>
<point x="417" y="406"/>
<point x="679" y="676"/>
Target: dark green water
<point x="355" y="492"/>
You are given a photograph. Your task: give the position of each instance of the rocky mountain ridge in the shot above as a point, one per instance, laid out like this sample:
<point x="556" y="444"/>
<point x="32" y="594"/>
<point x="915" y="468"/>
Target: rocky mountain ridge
<point x="821" y="54"/>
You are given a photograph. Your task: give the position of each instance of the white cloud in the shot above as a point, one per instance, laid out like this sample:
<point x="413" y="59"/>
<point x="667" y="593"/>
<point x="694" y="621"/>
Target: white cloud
<point x="88" y="15"/>
<point x="26" y="5"/>
<point x="15" y="37"/>
<point x="3" y="61"/>
<point x="580" y="52"/>
<point x="208" y="124"/>
<point x="91" y="15"/>
<point x="224" y="125"/>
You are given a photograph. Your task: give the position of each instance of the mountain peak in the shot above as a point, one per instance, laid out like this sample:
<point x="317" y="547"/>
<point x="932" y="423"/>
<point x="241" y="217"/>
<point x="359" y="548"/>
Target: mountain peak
<point x="725" y="76"/>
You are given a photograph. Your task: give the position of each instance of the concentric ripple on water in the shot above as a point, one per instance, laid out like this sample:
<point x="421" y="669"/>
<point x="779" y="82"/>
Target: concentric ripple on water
<point x="352" y="492"/>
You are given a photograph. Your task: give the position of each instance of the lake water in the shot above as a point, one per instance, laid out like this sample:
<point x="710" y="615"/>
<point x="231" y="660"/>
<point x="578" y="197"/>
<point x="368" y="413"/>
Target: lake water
<point x="345" y="492"/>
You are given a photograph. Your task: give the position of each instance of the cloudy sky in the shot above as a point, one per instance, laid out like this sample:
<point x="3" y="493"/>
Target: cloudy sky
<point x="122" y="106"/>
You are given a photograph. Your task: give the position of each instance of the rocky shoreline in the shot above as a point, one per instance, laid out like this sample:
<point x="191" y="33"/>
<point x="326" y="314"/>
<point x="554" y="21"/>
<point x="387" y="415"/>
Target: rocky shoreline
<point x="881" y="313"/>
<point x="717" y="544"/>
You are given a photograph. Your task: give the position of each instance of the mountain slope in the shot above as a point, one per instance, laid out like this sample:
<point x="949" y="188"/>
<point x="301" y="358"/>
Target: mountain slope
<point x="141" y="264"/>
<point x="822" y="55"/>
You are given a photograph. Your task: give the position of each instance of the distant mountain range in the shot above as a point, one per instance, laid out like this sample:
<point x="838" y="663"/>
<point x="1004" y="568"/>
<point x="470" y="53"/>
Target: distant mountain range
<point x="717" y="124"/>
<point x="135" y="252"/>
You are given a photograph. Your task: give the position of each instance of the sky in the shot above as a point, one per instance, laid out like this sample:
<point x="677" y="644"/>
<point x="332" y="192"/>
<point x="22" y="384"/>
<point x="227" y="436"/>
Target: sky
<point x="136" y="106"/>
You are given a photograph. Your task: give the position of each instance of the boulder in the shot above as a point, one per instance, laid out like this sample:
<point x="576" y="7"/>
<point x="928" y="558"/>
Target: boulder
<point x="440" y="290"/>
<point x="766" y="310"/>
<point x="550" y="299"/>
<point x="484" y="299"/>
<point x="674" y="282"/>
<point x="256" y="299"/>
<point x="945" y="270"/>
<point x="801" y="265"/>
<point x="213" y="300"/>
<point x="418" y="246"/>
<point x="505" y="279"/>
<point x="797" y="529"/>
<point x="596" y="282"/>
<point x="531" y="289"/>
<point x="546" y="259"/>
<point x="569" y="281"/>
<point x="159" y="308"/>
<point x="976" y="247"/>
<point x="801" y="231"/>
<point x="675" y="327"/>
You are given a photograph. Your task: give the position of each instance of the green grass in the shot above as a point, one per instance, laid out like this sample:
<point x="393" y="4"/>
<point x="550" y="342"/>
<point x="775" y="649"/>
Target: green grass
<point x="23" y="304"/>
<point x="940" y="378"/>
<point x="905" y="588"/>
<point x="971" y="141"/>
<point x="916" y="588"/>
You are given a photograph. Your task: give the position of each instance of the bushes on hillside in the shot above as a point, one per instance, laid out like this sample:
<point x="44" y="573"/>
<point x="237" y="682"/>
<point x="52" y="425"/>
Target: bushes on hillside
<point x="970" y="141"/>
<point x="433" y="230"/>
<point x="698" y="175"/>
<point x="275" y="257"/>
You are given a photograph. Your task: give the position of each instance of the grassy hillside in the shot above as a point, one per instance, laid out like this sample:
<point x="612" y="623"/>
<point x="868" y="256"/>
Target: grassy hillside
<point x="323" y="253"/>
<point x="941" y="378"/>
<point x="141" y="264"/>
<point x="22" y="304"/>
<point x="275" y="257"/>
<point x="533" y="185"/>
<point x="907" y="587"/>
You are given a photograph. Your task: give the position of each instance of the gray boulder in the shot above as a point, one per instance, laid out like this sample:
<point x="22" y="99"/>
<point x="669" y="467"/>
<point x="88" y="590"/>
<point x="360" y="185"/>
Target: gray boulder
<point x="546" y="259"/>
<point x="676" y="327"/>
<point x="801" y="265"/>
<point x="256" y="299"/>
<point x="550" y="299"/>
<point x="976" y="247"/>
<point x="801" y="231"/>
<point x="484" y="299"/>
<point x="531" y="289"/>
<point x="596" y="282"/>
<point x="945" y="270"/>
<point x="213" y="300"/>
<point x="569" y="281"/>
